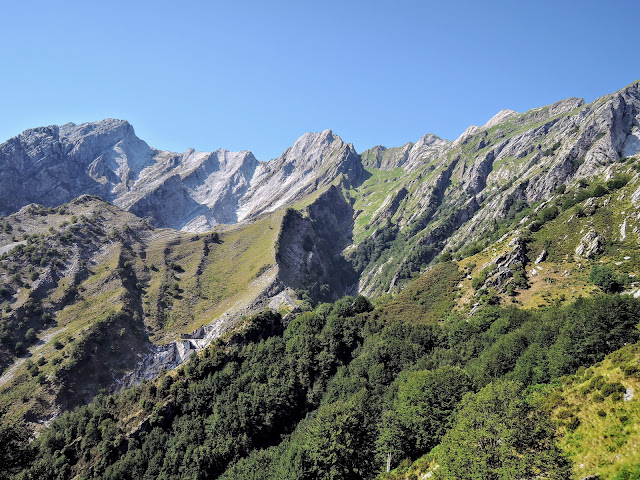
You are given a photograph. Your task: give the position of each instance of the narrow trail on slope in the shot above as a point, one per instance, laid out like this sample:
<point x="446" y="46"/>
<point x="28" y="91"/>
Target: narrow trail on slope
<point x="10" y="373"/>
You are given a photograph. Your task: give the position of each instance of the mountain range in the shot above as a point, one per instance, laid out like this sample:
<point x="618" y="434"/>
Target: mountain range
<point x="192" y="191"/>
<point x="119" y="262"/>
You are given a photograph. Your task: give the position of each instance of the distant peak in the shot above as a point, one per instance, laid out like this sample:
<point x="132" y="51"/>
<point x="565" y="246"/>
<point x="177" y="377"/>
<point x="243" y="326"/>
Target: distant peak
<point x="324" y="137"/>
<point x="107" y="126"/>
<point x="500" y="117"/>
<point x="471" y="130"/>
<point x="430" y="138"/>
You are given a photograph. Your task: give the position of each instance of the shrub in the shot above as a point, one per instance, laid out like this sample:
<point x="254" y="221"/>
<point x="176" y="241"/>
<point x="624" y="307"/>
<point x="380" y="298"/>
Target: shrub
<point x="547" y="214"/>
<point x="597" y="382"/>
<point x="599" y="191"/>
<point x="568" y="203"/>
<point x="33" y="369"/>
<point x="478" y="281"/>
<point x="564" y="414"/>
<point x="573" y="424"/>
<point x="519" y="276"/>
<point x="618" y="181"/>
<point x="613" y="387"/>
<point x="604" y="277"/>
<point x="30" y="336"/>
<point x="20" y="349"/>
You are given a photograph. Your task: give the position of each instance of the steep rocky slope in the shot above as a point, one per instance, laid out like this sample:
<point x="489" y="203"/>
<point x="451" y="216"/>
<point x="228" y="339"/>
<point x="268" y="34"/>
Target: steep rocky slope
<point x="464" y="188"/>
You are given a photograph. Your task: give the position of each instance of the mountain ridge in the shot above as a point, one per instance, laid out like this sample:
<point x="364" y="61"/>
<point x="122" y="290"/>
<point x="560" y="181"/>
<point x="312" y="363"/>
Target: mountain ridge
<point x="191" y="191"/>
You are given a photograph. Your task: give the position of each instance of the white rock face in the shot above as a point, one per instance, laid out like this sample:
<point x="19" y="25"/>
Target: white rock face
<point x="631" y="145"/>
<point x="635" y="198"/>
<point x="313" y="161"/>
<point x="191" y="191"/>
<point x="541" y="257"/>
<point x="426" y="149"/>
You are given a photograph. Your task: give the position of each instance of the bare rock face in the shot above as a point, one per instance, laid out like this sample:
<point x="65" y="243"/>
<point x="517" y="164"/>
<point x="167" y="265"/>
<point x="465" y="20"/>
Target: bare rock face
<point x="504" y="264"/>
<point x="499" y="117"/>
<point x="635" y="198"/>
<point x="391" y="204"/>
<point x="191" y="191"/>
<point x="52" y="165"/>
<point x="527" y="156"/>
<point x="425" y="150"/>
<point x="590" y="245"/>
<point x="314" y="161"/>
<point x="309" y="247"/>
<point x="386" y="158"/>
<point x="540" y="258"/>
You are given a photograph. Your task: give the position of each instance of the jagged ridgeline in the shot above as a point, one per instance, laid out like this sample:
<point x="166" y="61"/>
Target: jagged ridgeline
<point x="120" y="263"/>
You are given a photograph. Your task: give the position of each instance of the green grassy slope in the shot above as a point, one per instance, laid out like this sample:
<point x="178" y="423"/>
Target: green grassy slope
<point x="88" y="289"/>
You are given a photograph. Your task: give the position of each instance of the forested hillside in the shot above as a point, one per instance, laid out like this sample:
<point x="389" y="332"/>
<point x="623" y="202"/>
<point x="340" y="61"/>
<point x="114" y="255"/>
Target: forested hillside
<point x="339" y="390"/>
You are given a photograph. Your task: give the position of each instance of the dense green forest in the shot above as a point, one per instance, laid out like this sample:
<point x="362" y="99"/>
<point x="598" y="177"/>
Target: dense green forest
<point x="339" y="391"/>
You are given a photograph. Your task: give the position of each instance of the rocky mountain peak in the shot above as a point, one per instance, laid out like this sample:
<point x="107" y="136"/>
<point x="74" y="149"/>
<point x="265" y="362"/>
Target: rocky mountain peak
<point x="107" y="127"/>
<point x="313" y="161"/>
<point x="469" y="132"/>
<point x="312" y="147"/>
<point x="429" y="139"/>
<point x="499" y="117"/>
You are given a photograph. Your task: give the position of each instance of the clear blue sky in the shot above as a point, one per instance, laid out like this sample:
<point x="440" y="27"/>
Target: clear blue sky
<point x="255" y="75"/>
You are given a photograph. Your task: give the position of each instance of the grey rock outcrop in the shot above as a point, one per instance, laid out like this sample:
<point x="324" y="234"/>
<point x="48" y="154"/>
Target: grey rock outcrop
<point x="525" y="157"/>
<point x="390" y="205"/>
<point x="590" y="245"/>
<point x="635" y="198"/>
<point x="52" y="165"/>
<point x="386" y="158"/>
<point x="310" y="246"/>
<point x="504" y="264"/>
<point x="540" y="258"/>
